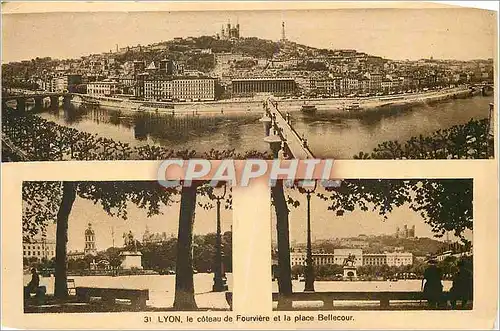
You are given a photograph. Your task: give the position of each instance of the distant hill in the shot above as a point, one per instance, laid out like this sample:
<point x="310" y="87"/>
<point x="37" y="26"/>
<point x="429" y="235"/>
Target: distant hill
<point x="380" y="244"/>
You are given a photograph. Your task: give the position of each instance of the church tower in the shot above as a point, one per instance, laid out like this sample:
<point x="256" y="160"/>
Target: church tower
<point x="90" y="242"/>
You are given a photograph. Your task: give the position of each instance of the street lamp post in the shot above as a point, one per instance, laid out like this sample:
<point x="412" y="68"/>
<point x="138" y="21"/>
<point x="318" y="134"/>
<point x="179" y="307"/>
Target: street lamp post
<point x="309" y="271"/>
<point x="219" y="274"/>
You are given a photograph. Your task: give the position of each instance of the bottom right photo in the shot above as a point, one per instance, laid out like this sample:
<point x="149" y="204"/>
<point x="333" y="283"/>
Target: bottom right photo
<point x="373" y="244"/>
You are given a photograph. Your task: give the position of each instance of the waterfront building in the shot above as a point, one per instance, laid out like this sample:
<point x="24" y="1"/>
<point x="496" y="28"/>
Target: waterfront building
<point x="158" y="89"/>
<point x="39" y="249"/>
<point x="251" y="86"/>
<point x="102" y="88"/>
<point x="325" y="85"/>
<point x="386" y="85"/>
<point x="375" y="81"/>
<point x="398" y="259"/>
<point x="195" y="89"/>
<point x="90" y="248"/>
<point x="185" y="89"/>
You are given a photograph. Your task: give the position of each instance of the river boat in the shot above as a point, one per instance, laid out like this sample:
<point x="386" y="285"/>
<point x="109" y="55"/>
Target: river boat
<point x="353" y="107"/>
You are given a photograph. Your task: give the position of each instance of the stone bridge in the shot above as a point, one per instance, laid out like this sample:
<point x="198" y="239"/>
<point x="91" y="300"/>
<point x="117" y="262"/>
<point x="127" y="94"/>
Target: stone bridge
<point x="37" y="97"/>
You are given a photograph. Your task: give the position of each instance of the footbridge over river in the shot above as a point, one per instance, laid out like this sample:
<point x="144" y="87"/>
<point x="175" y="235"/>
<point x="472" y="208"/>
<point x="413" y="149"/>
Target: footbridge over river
<point x="280" y="133"/>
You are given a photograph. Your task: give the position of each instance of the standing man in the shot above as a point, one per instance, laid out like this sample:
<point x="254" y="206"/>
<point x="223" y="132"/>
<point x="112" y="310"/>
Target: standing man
<point x="432" y="286"/>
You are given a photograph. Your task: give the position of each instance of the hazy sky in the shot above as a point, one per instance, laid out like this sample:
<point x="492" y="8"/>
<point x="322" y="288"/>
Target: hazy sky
<point x="324" y="223"/>
<point x="456" y="33"/>
<point x="84" y="212"/>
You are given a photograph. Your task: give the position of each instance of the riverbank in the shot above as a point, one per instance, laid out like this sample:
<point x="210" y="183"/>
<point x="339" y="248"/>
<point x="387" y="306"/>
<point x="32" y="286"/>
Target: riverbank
<point x="341" y="106"/>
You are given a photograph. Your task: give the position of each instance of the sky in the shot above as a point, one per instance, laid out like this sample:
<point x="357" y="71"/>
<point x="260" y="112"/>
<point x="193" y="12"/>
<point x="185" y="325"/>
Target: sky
<point x="457" y="33"/>
<point x="85" y="212"/>
<point x="325" y="224"/>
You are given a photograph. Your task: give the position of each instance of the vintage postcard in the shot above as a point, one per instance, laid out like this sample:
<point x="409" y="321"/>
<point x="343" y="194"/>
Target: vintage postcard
<point x="255" y="165"/>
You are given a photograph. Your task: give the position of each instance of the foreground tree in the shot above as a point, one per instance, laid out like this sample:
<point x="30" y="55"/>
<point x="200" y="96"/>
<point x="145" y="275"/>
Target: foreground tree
<point x="466" y="141"/>
<point x="49" y="201"/>
<point x="283" y="238"/>
<point x="68" y="198"/>
<point x="184" y="284"/>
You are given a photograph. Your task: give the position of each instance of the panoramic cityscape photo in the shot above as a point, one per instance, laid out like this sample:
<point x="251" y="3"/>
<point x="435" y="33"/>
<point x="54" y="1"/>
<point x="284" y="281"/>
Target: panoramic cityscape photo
<point x="404" y="84"/>
<point x="373" y="244"/>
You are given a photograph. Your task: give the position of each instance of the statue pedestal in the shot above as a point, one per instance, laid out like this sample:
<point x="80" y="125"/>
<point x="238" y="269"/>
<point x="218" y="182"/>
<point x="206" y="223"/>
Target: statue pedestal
<point x="131" y="260"/>
<point x="350" y="272"/>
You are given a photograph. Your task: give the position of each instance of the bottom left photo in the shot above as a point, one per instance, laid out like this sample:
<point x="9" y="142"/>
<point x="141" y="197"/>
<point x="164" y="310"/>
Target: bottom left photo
<point x="126" y="246"/>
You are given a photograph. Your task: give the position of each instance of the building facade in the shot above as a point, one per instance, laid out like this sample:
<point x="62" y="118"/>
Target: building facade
<point x="59" y="84"/>
<point x="183" y="89"/>
<point x="374" y="259"/>
<point x="158" y="89"/>
<point x="398" y="259"/>
<point x="102" y="89"/>
<point x="195" y="89"/>
<point x="341" y="255"/>
<point x="251" y="86"/>
<point x="299" y="258"/>
<point x="39" y="249"/>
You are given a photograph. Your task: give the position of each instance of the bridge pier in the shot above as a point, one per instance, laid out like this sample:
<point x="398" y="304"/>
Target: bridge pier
<point x="38" y="103"/>
<point x="66" y="99"/>
<point x="266" y="121"/>
<point x="54" y="102"/>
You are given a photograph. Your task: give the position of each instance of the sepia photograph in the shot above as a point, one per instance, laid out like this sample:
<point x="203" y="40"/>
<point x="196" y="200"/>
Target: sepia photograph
<point x="126" y="246"/>
<point x="367" y="244"/>
<point x="373" y="83"/>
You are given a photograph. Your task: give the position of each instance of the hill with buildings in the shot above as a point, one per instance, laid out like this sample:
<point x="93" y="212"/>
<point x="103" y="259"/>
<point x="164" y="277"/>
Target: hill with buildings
<point x="379" y="244"/>
<point x="227" y="65"/>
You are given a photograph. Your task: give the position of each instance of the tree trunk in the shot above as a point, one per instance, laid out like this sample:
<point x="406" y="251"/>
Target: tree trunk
<point x="284" y="268"/>
<point x="184" y="284"/>
<point x="69" y="195"/>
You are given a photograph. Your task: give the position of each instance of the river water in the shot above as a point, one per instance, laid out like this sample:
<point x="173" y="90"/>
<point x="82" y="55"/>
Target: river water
<point x="329" y="135"/>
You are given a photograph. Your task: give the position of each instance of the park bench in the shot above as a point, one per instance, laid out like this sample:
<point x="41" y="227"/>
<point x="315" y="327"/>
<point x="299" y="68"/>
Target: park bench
<point x="329" y="297"/>
<point x="137" y="298"/>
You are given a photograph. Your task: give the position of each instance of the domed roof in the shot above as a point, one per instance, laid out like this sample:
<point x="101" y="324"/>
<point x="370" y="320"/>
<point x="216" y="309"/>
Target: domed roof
<point x="89" y="230"/>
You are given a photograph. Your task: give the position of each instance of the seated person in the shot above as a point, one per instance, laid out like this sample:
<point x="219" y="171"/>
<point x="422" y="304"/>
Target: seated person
<point x="462" y="285"/>
<point x="33" y="284"/>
